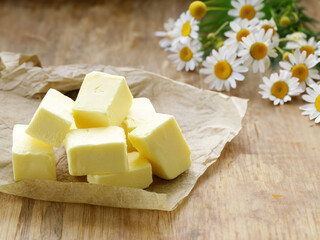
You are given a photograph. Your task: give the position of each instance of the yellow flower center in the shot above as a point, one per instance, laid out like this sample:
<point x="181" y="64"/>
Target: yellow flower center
<point x="258" y="50"/>
<point x="317" y="103"/>
<point x="197" y="9"/>
<point x="242" y="33"/>
<point x="285" y="56"/>
<point x="308" y="49"/>
<point x="266" y="27"/>
<point x="284" y="21"/>
<point x="280" y="89"/>
<point x="222" y="70"/>
<point x="186" y="29"/>
<point x="248" y="12"/>
<point x="300" y="71"/>
<point x="186" y="54"/>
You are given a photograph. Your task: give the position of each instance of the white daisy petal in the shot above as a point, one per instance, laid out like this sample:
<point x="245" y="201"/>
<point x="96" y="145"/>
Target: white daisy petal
<point x="209" y="79"/>
<point x="276" y="101"/>
<point x="192" y="65"/>
<point x="285" y="65"/>
<point x="307" y="106"/>
<point x="259" y="7"/>
<point x="261" y="66"/>
<point x="272" y="54"/>
<point x="180" y="66"/>
<point x="233" y="12"/>
<point x="313" y="73"/>
<point x="314" y="115"/>
<point x="206" y="71"/>
<point x="238" y="76"/>
<point x="292" y="59"/>
<point x="317" y="120"/>
<point x="255" y="66"/>
<point x="235" y="27"/>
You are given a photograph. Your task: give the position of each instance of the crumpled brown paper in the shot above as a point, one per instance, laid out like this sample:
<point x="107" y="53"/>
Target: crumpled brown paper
<point x="208" y="121"/>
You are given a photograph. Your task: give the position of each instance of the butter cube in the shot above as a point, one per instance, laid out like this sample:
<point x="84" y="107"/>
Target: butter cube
<point x="160" y="140"/>
<point x="140" y="111"/>
<point x="138" y="176"/>
<point x="53" y="118"/>
<point x="31" y="158"/>
<point x="96" y="151"/>
<point x="130" y="148"/>
<point x="103" y="100"/>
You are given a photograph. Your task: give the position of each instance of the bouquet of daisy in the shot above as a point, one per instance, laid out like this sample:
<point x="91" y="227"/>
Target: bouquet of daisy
<point x="227" y="38"/>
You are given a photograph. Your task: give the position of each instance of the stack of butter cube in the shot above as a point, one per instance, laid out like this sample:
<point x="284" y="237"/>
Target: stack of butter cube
<point x="109" y="136"/>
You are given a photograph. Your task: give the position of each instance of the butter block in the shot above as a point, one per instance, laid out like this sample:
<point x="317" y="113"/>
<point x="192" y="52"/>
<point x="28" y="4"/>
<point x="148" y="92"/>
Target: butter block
<point x="140" y="111"/>
<point x="130" y="148"/>
<point x="96" y="151"/>
<point x="53" y="118"/>
<point x="103" y="100"/>
<point x="31" y="158"/>
<point x="160" y="140"/>
<point x="138" y="176"/>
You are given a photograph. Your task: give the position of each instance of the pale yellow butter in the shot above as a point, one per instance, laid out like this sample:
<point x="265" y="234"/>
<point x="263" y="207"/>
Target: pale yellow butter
<point x="138" y="176"/>
<point x="103" y="100"/>
<point x="96" y="151"/>
<point x="160" y="140"/>
<point x="73" y="126"/>
<point x="53" y="118"/>
<point x="130" y="148"/>
<point x="140" y="111"/>
<point x="31" y="158"/>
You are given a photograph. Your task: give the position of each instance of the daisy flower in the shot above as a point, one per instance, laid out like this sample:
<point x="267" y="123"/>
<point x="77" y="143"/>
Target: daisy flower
<point x="299" y="38"/>
<point x="186" y="27"/>
<point x="223" y="68"/>
<point x="270" y="24"/>
<point x="257" y="49"/>
<point x="167" y="39"/>
<point x="248" y="9"/>
<point x="240" y="28"/>
<point x="313" y="108"/>
<point x="186" y="55"/>
<point x="301" y="67"/>
<point x="310" y="46"/>
<point x="280" y="87"/>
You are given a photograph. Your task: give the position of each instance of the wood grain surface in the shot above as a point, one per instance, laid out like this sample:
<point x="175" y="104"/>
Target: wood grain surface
<point x="266" y="183"/>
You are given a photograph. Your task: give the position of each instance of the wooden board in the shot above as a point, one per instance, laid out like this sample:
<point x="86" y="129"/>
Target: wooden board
<point x="264" y="186"/>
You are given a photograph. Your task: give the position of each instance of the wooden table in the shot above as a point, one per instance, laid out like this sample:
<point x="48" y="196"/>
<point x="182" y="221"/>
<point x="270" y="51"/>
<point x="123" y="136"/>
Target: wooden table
<point x="265" y="184"/>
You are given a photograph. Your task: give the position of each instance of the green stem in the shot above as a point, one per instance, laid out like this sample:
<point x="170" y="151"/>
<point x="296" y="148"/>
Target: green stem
<point x="212" y="35"/>
<point x="280" y="50"/>
<point x="296" y="18"/>
<point x="209" y="2"/>
<point x="216" y="9"/>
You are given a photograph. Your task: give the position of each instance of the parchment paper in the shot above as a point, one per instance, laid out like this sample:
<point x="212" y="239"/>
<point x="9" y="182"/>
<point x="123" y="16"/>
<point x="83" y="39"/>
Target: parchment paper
<point x="207" y="119"/>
